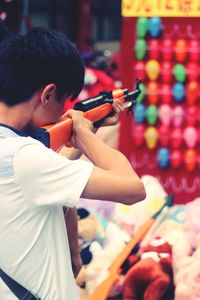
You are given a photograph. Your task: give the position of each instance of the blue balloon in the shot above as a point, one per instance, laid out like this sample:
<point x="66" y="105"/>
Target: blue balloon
<point x="163" y="157"/>
<point x="139" y="113"/>
<point x="178" y="91"/>
<point x="155" y="26"/>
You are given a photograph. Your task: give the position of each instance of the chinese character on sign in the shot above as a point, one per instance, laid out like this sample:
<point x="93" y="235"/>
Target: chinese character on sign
<point x="185" y="6"/>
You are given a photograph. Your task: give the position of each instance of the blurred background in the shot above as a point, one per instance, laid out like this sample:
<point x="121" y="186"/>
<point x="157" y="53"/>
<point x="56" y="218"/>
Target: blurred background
<point x="159" y="42"/>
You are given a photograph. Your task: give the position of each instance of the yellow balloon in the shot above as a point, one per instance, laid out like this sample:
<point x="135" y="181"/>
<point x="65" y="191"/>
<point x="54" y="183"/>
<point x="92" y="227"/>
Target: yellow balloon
<point x="152" y="69"/>
<point x="151" y="137"/>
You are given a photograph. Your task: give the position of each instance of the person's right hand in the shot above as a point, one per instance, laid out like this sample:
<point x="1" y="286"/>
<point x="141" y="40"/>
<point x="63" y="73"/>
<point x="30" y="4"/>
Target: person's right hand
<point x="80" y="124"/>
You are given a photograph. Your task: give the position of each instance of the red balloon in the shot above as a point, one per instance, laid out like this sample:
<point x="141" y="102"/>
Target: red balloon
<point x="164" y="135"/>
<point x="176" y="158"/>
<point x="193" y="50"/>
<point x="166" y="72"/>
<point x="192" y="91"/>
<point x="167" y="49"/>
<point x="139" y="70"/>
<point x="192" y="71"/>
<point x="191" y="116"/>
<point x="166" y="93"/>
<point x="154" y="49"/>
<point x="138" y="134"/>
<point x="180" y="50"/>
<point x="152" y="92"/>
<point x="176" y="138"/>
<point x="190" y="159"/>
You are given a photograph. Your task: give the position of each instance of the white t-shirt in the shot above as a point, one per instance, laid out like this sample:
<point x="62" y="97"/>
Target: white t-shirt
<point x="35" y="182"/>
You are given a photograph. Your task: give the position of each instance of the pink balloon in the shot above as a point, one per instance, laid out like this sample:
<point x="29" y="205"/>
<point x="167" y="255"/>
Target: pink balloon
<point x="191" y="116"/>
<point x="138" y="134"/>
<point x="176" y="138"/>
<point x="166" y="93"/>
<point x="190" y="136"/>
<point x="166" y="72"/>
<point x="178" y="116"/>
<point x="165" y="114"/>
<point x="164" y="135"/>
<point x="192" y="70"/>
<point x="176" y="158"/>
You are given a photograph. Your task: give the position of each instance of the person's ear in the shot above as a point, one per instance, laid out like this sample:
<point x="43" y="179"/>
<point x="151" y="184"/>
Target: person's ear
<point x="47" y="92"/>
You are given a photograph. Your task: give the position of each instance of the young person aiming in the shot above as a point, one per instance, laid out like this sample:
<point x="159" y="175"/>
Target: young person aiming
<point x="38" y="72"/>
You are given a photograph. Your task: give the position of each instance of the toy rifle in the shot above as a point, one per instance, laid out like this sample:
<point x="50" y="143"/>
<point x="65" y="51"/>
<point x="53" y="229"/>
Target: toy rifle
<point x="95" y="109"/>
<point x="119" y="264"/>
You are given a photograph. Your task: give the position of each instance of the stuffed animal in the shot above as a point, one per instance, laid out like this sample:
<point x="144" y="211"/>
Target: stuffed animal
<point x="187" y="276"/>
<point x="151" y="277"/>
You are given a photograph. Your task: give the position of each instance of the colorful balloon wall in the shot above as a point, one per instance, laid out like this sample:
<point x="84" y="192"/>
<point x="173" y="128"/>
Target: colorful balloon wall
<point x="167" y="116"/>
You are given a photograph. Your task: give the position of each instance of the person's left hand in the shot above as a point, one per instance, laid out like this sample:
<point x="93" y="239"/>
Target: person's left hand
<point x="112" y="120"/>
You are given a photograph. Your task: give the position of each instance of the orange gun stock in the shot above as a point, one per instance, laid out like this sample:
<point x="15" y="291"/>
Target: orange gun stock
<point x="94" y="109"/>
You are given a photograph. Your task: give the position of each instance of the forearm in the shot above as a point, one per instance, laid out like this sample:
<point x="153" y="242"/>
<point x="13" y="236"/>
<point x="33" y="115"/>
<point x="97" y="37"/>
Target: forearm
<point x="102" y="155"/>
<point x="72" y="229"/>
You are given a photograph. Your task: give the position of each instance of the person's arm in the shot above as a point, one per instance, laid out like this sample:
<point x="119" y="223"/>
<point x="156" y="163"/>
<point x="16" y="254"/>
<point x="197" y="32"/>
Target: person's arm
<point x="113" y="177"/>
<point x="72" y="232"/>
<point x="107" y="132"/>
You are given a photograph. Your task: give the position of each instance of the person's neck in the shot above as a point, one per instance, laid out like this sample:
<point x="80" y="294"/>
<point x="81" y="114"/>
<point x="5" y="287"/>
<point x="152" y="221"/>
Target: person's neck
<point x="15" y="116"/>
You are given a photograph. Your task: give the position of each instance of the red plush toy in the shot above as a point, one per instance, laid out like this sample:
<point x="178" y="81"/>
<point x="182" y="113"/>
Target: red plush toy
<point x="150" y="276"/>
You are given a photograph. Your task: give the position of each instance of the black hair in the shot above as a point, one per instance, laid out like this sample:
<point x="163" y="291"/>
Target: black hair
<point x="42" y="56"/>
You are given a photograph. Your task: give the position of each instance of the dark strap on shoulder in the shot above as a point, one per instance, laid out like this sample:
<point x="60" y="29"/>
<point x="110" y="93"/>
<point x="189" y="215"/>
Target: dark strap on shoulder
<point x="18" y="290"/>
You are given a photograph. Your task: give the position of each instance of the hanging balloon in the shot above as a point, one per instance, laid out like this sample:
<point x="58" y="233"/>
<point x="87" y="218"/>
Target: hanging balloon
<point x="192" y="70"/>
<point x="152" y="92"/>
<point x="192" y="116"/>
<point x="165" y="114"/>
<point x="139" y="70"/>
<point x="154" y="49"/>
<point x="164" y="135"/>
<point x="151" y="114"/>
<point x="190" y="160"/>
<point x="178" y="92"/>
<point x="141" y="96"/>
<point x="190" y="136"/>
<point x="176" y="138"/>
<point x="192" y="91"/>
<point x="176" y="159"/>
<point x="155" y="27"/>
<point x="193" y="49"/>
<point x="166" y="72"/>
<point x="139" y="113"/>
<point x="152" y="69"/>
<point x="138" y="134"/>
<point x="167" y="49"/>
<point x="151" y="137"/>
<point x="142" y="27"/>
<point x="179" y="72"/>
<point x="166" y="93"/>
<point x="180" y="50"/>
<point x="163" y="158"/>
<point x="140" y="49"/>
<point x="178" y="116"/>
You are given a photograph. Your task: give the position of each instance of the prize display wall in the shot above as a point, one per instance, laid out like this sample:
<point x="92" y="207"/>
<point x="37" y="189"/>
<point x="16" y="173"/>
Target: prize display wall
<point x="162" y="138"/>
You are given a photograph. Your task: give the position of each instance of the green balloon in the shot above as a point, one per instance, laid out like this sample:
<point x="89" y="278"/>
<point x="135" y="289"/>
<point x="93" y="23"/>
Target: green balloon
<point x="152" y="114"/>
<point x="142" y="94"/>
<point x="140" y="48"/>
<point x="179" y="72"/>
<point x="142" y="27"/>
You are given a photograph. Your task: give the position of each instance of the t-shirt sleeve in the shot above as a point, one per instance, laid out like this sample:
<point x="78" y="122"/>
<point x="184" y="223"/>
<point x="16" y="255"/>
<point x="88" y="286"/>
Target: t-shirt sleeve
<point x="48" y="178"/>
